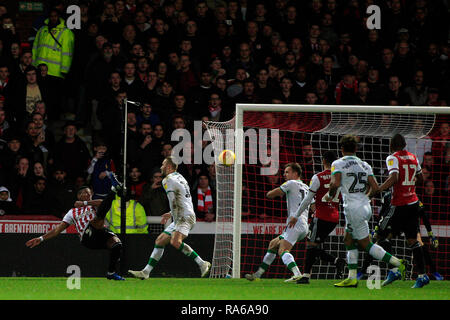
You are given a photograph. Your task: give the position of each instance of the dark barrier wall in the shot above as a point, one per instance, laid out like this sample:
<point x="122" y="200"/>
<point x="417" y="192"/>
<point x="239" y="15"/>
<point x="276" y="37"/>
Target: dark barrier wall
<point x="52" y="257"/>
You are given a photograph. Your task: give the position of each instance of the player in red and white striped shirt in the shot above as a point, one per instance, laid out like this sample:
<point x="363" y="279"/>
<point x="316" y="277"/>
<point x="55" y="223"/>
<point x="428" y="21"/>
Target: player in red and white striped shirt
<point x="88" y="217"/>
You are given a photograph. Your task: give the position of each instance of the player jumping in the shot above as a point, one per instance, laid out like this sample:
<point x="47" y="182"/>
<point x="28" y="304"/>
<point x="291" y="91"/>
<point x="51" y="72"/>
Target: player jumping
<point x="88" y="217"/>
<point x="182" y="212"/>
<point x="325" y="219"/>
<point x="295" y="191"/>
<point x="353" y="176"/>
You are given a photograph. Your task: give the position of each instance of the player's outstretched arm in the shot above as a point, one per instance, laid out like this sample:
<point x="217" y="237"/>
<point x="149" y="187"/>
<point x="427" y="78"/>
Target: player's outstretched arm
<point x="94" y="203"/>
<point x="277" y="192"/>
<point x="51" y="234"/>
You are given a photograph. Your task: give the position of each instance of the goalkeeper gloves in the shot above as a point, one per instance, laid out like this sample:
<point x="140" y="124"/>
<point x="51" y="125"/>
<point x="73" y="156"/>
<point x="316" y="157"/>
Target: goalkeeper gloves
<point x="434" y="241"/>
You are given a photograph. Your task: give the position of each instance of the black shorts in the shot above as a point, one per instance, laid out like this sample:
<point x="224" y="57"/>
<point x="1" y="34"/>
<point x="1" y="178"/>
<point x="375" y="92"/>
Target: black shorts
<point x="401" y="219"/>
<point x="96" y="238"/>
<point x="319" y="230"/>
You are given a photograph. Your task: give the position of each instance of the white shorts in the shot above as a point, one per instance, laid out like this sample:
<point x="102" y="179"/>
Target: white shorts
<point x="356" y="221"/>
<point x="183" y="225"/>
<point x="297" y="233"/>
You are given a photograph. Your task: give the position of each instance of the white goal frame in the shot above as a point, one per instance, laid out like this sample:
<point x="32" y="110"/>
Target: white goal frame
<point x="239" y="148"/>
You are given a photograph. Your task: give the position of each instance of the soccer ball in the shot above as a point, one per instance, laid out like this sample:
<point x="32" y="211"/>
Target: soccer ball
<point x="227" y="158"/>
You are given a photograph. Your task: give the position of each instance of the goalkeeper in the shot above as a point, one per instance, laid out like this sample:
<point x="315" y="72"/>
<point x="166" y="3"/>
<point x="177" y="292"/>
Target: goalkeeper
<point x="384" y="233"/>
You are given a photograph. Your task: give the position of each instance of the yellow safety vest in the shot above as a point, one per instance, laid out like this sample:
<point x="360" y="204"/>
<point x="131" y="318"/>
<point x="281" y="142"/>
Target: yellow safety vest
<point x="136" y="220"/>
<point x="55" y="49"/>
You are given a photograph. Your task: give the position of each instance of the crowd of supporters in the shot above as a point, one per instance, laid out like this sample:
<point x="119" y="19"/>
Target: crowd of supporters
<point x="185" y="61"/>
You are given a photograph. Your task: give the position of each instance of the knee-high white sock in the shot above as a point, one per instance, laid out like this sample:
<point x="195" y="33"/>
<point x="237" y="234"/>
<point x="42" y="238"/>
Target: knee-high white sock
<point x="352" y="261"/>
<point x="154" y="258"/>
<point x="289" y="261"/>
<point x="379" y="253"/>
<point x="188" y="251"/>
<point x="269" y="257"/>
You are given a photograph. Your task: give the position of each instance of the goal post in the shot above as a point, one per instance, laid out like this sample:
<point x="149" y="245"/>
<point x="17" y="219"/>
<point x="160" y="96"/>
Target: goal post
<point x="359" y="120"/>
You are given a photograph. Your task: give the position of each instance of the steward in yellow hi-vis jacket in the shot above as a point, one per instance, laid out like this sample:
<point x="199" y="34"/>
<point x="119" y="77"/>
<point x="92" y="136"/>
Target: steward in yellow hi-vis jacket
<point x="54" y="46"/>
<point x="136" y="219"/>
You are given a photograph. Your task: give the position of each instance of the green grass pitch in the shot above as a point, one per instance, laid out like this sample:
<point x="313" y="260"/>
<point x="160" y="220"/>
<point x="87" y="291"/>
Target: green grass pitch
<point x="22" y="288"/>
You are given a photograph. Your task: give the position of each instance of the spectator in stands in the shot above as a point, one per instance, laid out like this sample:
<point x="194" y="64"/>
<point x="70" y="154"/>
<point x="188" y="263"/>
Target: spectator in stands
<point x="71" y="151"/>
<point x="364" y="97"/>
<point x="39" y="170"/>
<point x="131" y="83"/>
<point x="135" y="181"/>
<point x="25" y="95"/>
<point x="54" y="46"/>
<point x="37" y="199"/>
<point x="203" y="199"/>
<point x="62" y="191"/>
<point x="433" y="98"/>
<point x="7" y="205"/>
<point x="100" y="168"/>
<point x="4" y="79"/>
<point x="146" y="114"/>
<point x="324" y="94"/>
<point x="347" y="89"/>
<point x="154" y="198"/>
<point x="11" y="153"/>
<point x="418" y="92"/>
<point x="33" y="144"/>
<point x="396" y="91"/>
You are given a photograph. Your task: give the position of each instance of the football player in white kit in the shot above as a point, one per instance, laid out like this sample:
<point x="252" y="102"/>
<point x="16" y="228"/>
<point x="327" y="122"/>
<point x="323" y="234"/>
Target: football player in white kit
<point x="182" y="212"/>
<point x="295" y="191"/>
<point x="354" y="177"/>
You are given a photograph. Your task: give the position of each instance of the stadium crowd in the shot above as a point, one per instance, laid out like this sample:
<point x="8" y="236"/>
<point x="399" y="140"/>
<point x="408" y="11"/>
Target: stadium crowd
<point x="183" y="61"/>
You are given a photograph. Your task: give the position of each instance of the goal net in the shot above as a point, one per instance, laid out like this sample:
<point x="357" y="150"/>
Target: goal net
<point x="267" y="137"/>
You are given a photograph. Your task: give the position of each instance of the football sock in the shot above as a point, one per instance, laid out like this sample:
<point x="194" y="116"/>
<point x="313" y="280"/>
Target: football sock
<point x="114" y="258"/>
<point x="379" y="253"/>
<point x="418" y="257"/>
<point x="310" y="259"/>
<point x="104" y="207"/>
<point x="289" y="261"/>
<point x="267" y="261"/>
<point x="188" y="251"/>
<point x="352" y="261"/>
<point x="154" y="258"/>
<point x="428" y="261"/>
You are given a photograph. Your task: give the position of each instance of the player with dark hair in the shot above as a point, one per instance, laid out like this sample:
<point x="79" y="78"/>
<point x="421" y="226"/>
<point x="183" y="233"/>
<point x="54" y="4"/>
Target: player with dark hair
<point x="88" y="217"/>
<point x="404" y="169"/>
<point x="182" y="212"/>
<point x="295" y="191"/>
<point x="356" y="181"/>
<point x="325" y="219"/>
